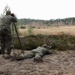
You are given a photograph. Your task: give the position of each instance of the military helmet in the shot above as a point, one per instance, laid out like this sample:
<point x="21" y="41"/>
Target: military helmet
<point x="8" y="12"/>
<point x="44" y="45"/>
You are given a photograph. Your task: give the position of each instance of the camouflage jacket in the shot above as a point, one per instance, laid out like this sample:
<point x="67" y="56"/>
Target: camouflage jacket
<point x="40" y="50"/>
<point x="6" y="21"/>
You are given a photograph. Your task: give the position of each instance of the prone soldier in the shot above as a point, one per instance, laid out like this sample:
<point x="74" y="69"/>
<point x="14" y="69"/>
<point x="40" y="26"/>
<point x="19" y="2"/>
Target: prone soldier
<point x="37" y="53"/>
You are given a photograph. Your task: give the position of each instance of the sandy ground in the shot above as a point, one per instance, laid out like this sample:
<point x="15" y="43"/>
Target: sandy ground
<point x="59" y="63"/>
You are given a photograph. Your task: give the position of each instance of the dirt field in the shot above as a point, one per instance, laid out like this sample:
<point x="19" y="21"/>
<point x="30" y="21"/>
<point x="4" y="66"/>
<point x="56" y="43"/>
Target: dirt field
<point x="59" y="63"/>
<point x="51" y="30"/>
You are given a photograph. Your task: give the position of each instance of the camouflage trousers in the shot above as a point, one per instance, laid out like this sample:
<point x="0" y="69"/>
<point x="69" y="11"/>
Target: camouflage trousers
<point x="32" y="54"/>
<point x="5" y="37"/>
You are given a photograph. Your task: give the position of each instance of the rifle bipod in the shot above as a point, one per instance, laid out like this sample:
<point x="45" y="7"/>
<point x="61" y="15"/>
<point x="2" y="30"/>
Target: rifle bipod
<point x="15" y="29"/>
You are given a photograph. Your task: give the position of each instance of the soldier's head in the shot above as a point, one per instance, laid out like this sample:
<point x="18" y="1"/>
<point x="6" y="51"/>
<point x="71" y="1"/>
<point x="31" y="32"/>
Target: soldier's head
<point x="46" y="46"/>
<point x="8" y="12"/>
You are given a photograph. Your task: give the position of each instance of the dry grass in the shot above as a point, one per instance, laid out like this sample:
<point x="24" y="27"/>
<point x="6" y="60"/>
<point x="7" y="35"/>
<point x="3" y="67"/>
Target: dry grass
<point x="51" y="30"/>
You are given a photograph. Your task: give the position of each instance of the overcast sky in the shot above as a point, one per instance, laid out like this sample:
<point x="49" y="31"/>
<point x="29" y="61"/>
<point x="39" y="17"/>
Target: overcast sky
<point x="40" y="9"/>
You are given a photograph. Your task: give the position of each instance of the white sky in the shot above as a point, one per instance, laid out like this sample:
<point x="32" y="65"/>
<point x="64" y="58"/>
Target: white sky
<point x="40" y="9"/>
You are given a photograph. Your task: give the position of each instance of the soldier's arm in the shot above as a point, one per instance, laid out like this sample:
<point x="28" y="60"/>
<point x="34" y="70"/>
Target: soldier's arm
<point x="14" y="19"/>
<point x="48" y="51"/>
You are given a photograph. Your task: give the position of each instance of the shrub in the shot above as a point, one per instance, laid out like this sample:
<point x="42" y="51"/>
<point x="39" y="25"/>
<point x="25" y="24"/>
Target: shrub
<point x="22" y="27"/>
<point x="59" y="42"/>
<point x="30" y="30"/>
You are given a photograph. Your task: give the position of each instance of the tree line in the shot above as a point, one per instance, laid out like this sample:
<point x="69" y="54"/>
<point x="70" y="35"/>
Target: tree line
<point x="65" y="21"/>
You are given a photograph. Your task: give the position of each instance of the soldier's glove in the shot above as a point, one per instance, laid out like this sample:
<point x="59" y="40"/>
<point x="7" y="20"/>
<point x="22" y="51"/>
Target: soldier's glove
<point x="49" y="47"/>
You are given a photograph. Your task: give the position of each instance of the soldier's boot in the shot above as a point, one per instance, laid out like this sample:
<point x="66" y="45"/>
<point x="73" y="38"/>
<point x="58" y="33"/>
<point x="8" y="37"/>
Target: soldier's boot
<point x="38" y="59"/>
<point x="8" y="56"/>
<point x="2" y="51"/>
<point x="18" y="57"/>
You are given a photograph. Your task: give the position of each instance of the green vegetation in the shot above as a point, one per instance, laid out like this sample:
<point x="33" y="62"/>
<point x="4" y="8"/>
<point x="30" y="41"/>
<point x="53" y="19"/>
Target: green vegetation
<point x="30" y="30"/>
<point x="59" y="42"/>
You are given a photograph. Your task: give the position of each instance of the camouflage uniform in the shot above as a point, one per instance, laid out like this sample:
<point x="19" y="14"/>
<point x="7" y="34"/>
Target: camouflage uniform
<point x="37" y="53"/>
<point x="6" y="32"/>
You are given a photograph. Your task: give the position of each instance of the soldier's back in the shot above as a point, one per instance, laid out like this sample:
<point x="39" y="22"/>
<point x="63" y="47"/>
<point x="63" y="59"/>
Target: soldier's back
<point x="39" y="49"/>
<point x="6" y="20"/>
